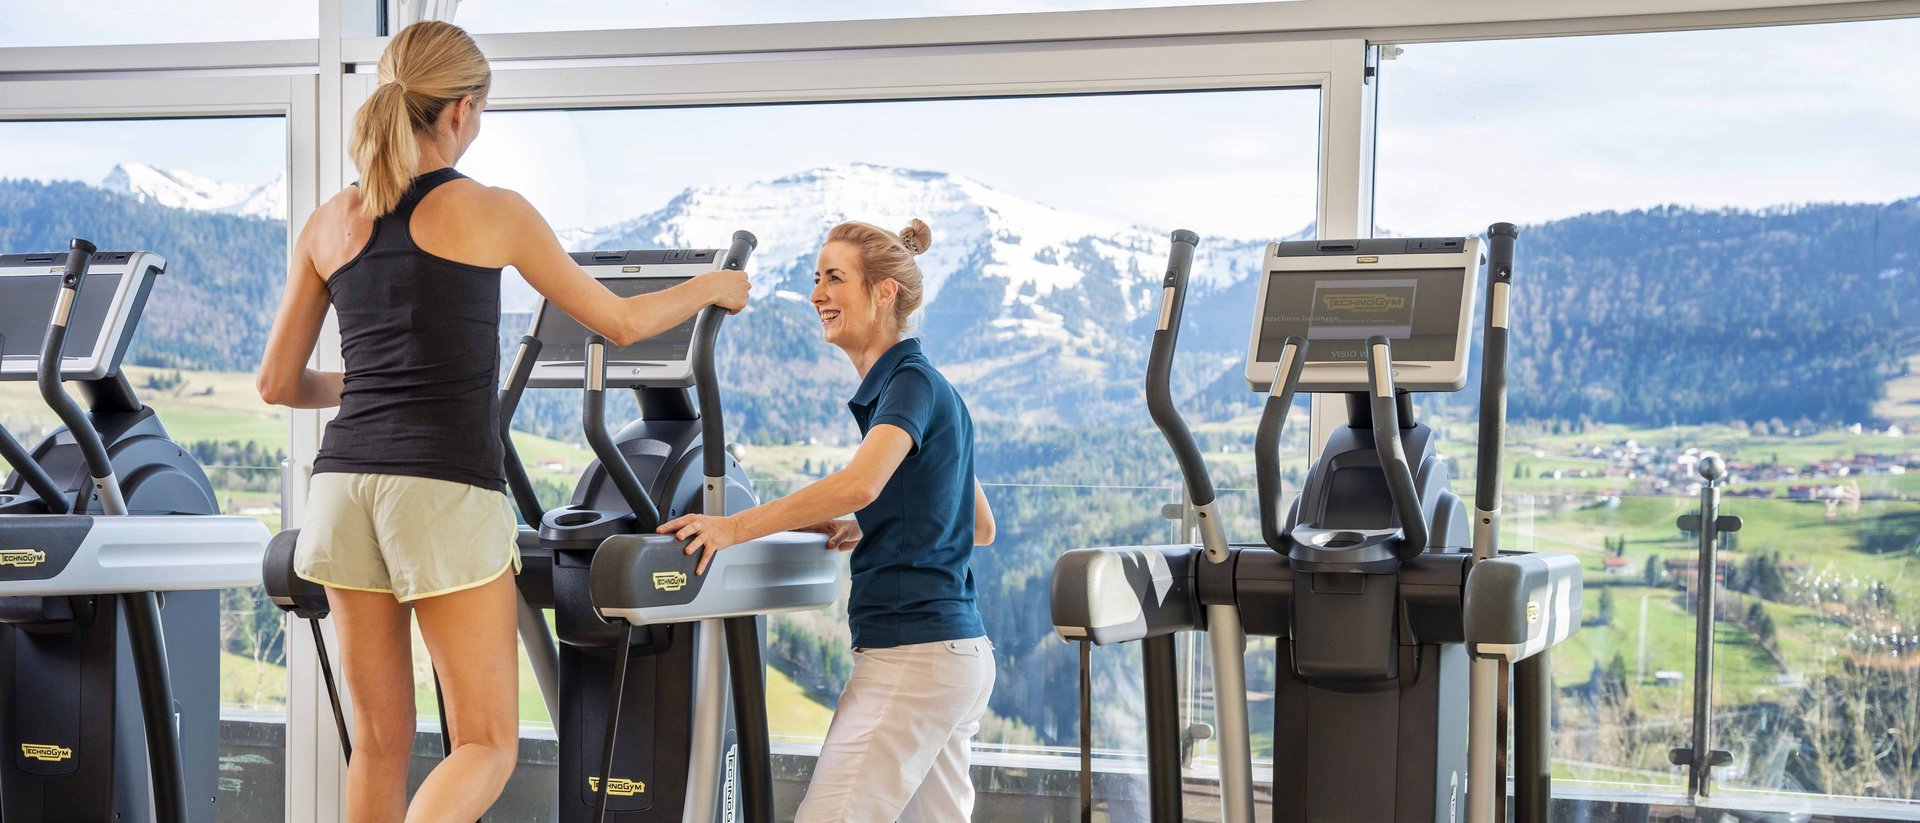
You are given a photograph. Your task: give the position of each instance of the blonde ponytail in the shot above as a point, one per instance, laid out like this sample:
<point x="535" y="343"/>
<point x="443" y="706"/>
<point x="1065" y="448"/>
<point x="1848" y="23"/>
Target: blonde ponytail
<point x="430" y="65"/>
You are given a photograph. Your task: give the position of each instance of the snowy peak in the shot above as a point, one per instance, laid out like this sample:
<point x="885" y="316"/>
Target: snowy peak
<point x="185" y="190"/>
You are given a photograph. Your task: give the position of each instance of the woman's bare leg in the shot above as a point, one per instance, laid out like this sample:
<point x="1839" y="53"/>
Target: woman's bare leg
<point x="471" y="637"/>
<point x="377" y="658"/>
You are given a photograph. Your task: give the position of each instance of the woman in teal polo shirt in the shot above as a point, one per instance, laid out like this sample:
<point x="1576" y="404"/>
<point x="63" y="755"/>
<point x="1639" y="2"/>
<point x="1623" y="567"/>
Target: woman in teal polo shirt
<point x="923" y="667"/>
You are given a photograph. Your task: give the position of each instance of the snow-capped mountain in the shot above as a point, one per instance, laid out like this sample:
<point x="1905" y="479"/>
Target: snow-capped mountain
<point x="1023" y="299"/>
<point x="186" y="190"/>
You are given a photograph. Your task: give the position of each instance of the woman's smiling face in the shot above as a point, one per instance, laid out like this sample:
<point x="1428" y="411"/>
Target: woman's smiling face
<point x="850" y="313"/>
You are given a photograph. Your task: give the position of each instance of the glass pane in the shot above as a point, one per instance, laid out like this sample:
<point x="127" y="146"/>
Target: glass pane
<point x="210" y="197"/>
<point x="156" y="21"/>
<point x="1050" y="218"/>
<point x="1717" y="251"/>
<point x="565" y="15"/>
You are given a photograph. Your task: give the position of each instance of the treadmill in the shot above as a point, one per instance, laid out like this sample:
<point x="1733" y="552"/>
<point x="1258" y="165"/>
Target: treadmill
<point x="655" y="686"/>
<point x="1402" y="632"/>
<point x="107" y="712"/>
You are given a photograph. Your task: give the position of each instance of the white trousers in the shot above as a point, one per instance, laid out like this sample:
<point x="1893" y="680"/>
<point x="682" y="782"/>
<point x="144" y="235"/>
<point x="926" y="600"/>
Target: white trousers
<point x="898" y="745"/>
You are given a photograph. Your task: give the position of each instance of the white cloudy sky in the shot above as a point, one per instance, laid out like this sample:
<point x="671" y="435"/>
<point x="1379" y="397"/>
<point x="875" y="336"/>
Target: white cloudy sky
<point x="1470" y="132"/>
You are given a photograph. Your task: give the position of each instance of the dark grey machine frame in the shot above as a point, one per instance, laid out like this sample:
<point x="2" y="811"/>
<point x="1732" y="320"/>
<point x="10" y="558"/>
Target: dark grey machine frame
<point x="1387" y="619"/>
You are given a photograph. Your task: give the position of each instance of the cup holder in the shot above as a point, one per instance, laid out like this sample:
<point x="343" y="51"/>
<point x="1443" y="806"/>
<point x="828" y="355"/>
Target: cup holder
<point x="570" y="520"/>
<point x="1338" y="539"/>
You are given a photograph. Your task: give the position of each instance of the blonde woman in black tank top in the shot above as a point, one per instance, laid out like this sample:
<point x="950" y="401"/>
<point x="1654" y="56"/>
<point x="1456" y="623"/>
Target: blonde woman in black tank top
<point x="406" y="514"/>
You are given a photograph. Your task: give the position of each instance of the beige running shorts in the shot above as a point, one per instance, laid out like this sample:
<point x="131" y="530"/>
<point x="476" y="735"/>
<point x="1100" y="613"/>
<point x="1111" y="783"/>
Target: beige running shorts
<point x="414" y="537"/>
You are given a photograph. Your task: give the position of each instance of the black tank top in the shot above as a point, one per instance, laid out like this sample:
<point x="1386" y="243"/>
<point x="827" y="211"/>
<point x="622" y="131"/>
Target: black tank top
<point x="420" y="335"/>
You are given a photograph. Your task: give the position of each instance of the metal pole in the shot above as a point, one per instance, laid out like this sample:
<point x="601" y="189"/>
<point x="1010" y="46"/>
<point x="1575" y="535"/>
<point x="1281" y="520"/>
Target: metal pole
<point x="1701" y="757"/>
<point x="1533" y="722"/>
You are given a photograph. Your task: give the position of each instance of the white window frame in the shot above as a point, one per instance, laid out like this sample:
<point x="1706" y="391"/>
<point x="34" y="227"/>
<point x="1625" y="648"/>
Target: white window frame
<point x="292" y="97"/>
<point x="317" y="84"/>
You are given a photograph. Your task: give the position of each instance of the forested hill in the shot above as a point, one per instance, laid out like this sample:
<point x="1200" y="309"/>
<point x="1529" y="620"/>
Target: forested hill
<point x="1654" y="316"/>
<point x="212" y="308"/>
<point x="1679" y="315"/>
<point x="1675" y="315"/>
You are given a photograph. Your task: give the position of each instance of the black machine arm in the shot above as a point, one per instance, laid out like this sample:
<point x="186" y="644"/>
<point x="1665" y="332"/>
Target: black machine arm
<point x="1493" y="389"/>
<point x="594" y="415"/>
<point x="99" y="465"/>
<point x="1266" y="441"/>
<point x="517" y="480"/>
<point x="745" y="670"/>
<point x="31" y="472"/>
<point x="1393" y="454"/>
<point x="1166" y="337"/>
<point x="706" y="383"/>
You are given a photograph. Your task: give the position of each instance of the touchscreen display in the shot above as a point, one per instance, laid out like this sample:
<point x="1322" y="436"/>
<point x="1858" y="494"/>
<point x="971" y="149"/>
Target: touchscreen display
<point x="28" y="309"/>
<point x="1418" y="309"/>
<point x="563" y="339"/>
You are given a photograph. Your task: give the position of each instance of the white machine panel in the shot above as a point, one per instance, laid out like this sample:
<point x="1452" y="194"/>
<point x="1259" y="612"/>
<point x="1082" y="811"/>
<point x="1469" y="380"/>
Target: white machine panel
<point x="659" y="361"/>
<point x="112" y="294"/>
<point x="122" y="554"/>
<point x="1418" y="292"/>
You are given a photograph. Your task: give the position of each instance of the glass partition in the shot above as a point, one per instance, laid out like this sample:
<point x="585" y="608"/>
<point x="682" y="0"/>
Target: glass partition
<point x="1050" y="219"/>
<point x="1719" y="236"/>
<point x="127" y="22"/>
<point x="210" y="197"/>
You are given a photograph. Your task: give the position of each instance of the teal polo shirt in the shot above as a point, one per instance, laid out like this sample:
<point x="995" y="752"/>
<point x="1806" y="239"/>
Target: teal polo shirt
<point x="911" y="580"/>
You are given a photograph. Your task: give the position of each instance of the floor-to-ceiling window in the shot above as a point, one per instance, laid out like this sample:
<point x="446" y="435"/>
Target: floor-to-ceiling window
<point x="1719" y="250"/>
<point x="210" y="197"/>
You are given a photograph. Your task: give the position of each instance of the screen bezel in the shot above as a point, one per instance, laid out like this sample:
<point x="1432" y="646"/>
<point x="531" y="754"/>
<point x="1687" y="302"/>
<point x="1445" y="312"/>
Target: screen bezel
<point x="135" y="272"/>
<point x="571" y="374"/>
<point x="1348" y="376"/>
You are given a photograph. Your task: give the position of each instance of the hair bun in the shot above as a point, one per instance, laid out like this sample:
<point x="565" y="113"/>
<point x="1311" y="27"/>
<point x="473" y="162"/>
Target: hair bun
<point x="916" y="237"/>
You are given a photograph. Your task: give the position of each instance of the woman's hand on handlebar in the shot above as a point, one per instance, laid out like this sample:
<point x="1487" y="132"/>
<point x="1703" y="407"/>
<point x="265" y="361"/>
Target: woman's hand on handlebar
<point x="726" y="289"/>
<point x="704" y="534"/>
<point x="842" y="535"/>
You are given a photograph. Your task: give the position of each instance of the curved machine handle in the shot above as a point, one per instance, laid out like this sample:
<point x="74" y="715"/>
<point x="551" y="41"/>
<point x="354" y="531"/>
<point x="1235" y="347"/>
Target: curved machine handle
<point x="706" y="381"/>
<point x="1393" y="454"/>
<point x="99" y="464"/>
<point x="31" y="472"/>
<point x="1266" y="441"/>
<point x="517" y="480"/>
<point x="1493" y="390"/>
<point x="594" y="414"/>
<point x="1166" y="338"/>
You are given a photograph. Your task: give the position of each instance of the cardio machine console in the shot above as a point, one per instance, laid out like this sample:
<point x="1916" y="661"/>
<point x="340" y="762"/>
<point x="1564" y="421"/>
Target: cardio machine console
<point x="1417" y="291"/>
<point x="102" y="323"/>
<point x="659" y="361"/>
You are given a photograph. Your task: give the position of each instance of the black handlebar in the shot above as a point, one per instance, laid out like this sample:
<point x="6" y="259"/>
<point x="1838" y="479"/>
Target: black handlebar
<point x="1160" y="367"/>
<point x="1393" y="455"/>
<point x="518" y="482"/>
<point x="30" y="470"/>
<point x="1266" y="441"/>
<point x="706" y="383"/>
<point x="52" y="351"/>
<point x="593" y="414"/>
<point x="1493" y="365"/>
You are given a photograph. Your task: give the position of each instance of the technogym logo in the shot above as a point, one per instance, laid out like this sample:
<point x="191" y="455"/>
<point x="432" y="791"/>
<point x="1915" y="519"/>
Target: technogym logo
<point x="669" y="581"/>
<point x="618" y="786"/>
<point x="1364" y="302"/>
<point x="22" y="558"/>
<point x="45" y="752"/>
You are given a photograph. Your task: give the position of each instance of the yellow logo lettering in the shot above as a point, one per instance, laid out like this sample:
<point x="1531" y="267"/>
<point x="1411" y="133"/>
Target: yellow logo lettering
<point x="669" y="581"/>
<point x="23" y="558"/>
<point x="1533" y="611"/>
<point x="1364" y="302"/>
<point x="618" y="787"/>
<point x="46" y="752"/>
